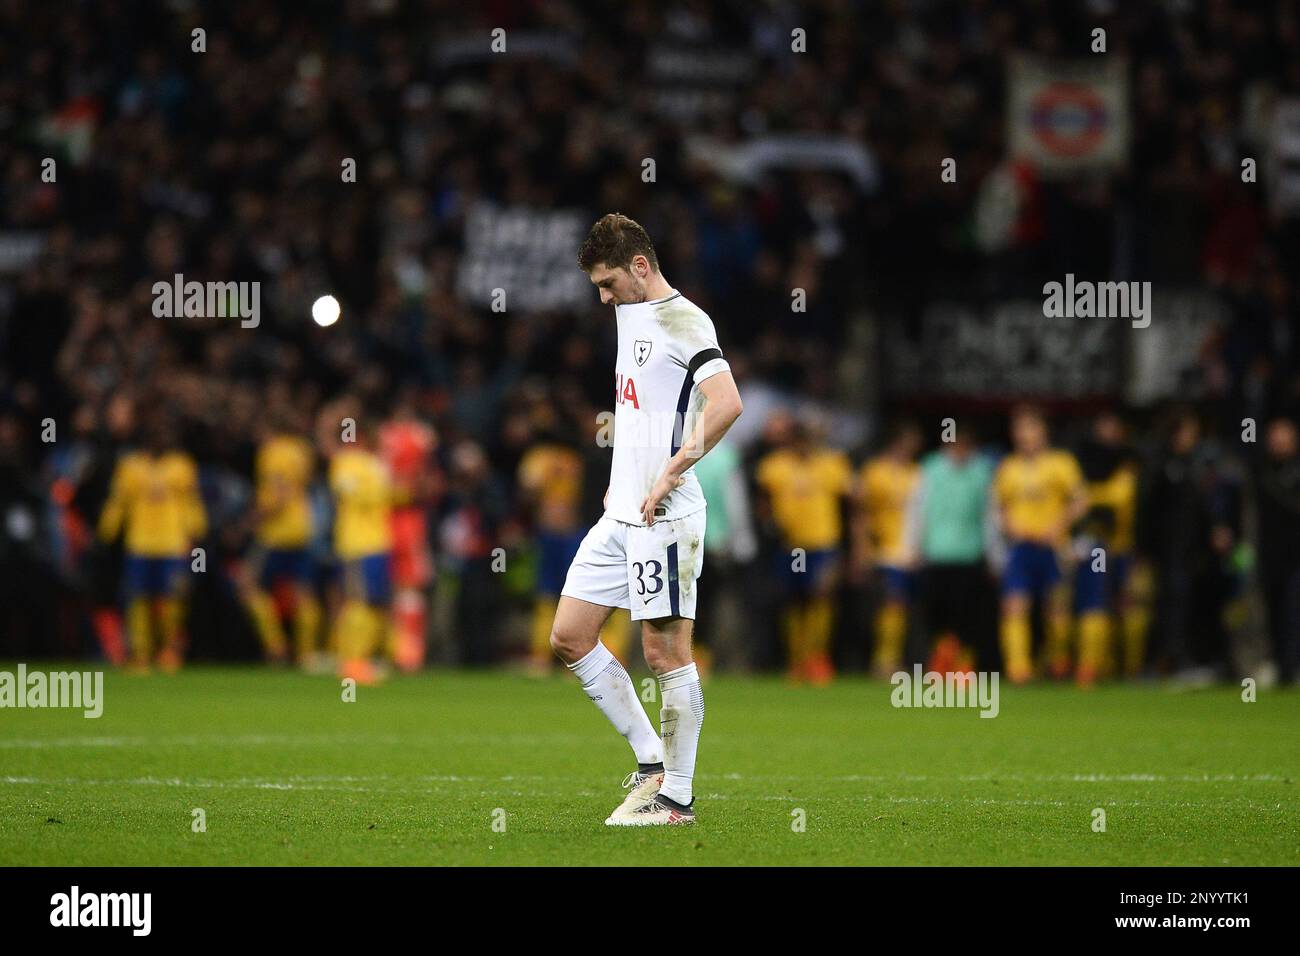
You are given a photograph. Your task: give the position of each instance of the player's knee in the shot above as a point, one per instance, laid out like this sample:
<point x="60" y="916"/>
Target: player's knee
<point x="569" y="643"/>
<point x="661" y="660"/>
<point x="655" y="659"/>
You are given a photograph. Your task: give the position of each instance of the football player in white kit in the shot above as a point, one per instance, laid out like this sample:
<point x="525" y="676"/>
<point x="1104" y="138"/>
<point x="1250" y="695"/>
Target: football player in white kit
<point x="674" y="399"/>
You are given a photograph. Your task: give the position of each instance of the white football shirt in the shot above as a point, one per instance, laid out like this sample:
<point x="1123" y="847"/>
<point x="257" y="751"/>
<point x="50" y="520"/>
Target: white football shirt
<point x="666" y="347"/>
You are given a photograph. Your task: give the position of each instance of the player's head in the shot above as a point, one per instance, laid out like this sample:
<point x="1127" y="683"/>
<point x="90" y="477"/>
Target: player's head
<point x="619" y="258"/>
<point x="158" y="431"/>
<point x="1028" y="429"/>
<point x="1108" y="429"/>
<point x="340" y="425"/>
<point x="366" y="433"/>
<point x="904" y="439"/>
<point x="964" y="440"/>
<point x="779" y="428"/>
<point x="803" y="434"/>
<point x="277" y="420"/>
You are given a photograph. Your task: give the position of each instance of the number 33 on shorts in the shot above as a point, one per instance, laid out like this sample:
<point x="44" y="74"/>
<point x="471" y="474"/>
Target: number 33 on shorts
<point x="664" y="562"/>
<point x="653" y="572"/>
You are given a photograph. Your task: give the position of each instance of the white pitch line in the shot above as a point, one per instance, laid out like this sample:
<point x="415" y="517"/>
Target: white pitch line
<point x="244" y="740"/>
<point x="993" y="778"/>
<point x="183" y="740"/>
<point x="1031" y="778"/>
<point x="327" y="786"/>
<point x="255" y="740"/>
<point x="358" y="784"/>
<point x="245" y="784"/>
<point x="982" y="801"/>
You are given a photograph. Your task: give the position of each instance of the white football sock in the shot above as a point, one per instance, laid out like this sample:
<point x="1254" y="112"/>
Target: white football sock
<point x="679" y="723"/>
<point x="611" y="689"/>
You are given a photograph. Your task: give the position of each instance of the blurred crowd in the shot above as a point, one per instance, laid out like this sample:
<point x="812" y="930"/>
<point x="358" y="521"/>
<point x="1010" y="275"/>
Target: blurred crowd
<point x="476" y="428"/>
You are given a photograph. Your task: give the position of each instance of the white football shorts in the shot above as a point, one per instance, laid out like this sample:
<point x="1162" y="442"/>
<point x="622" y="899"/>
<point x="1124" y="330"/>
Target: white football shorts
<point x="653" y="572"/>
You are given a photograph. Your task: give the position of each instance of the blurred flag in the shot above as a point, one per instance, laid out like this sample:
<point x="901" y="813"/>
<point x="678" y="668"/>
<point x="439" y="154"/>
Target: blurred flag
<point x="71" y="128"/>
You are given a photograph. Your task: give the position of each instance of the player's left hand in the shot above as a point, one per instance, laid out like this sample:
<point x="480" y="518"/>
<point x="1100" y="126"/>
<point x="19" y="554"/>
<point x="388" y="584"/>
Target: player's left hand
<point x="666" y="483"/>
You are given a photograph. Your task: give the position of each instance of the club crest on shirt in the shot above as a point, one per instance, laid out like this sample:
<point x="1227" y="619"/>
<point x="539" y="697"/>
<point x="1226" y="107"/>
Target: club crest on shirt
<point x="641" y="351"/>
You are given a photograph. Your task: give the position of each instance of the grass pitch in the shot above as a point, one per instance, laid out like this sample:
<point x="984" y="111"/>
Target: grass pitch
<point x="418" y="771"/>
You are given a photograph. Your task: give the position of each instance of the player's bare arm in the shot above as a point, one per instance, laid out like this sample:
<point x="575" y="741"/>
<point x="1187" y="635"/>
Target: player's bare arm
<point x="722" y="406"/>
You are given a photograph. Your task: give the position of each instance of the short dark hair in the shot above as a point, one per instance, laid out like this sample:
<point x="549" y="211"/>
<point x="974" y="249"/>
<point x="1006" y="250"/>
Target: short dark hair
<point x="615" y="240"/>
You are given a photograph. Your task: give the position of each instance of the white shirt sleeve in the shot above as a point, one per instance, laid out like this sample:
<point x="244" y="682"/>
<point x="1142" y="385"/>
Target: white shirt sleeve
<point x="710" y="368"/>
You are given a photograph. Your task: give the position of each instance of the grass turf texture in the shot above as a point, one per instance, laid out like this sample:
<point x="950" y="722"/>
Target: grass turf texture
<point x="413" y="771"/>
